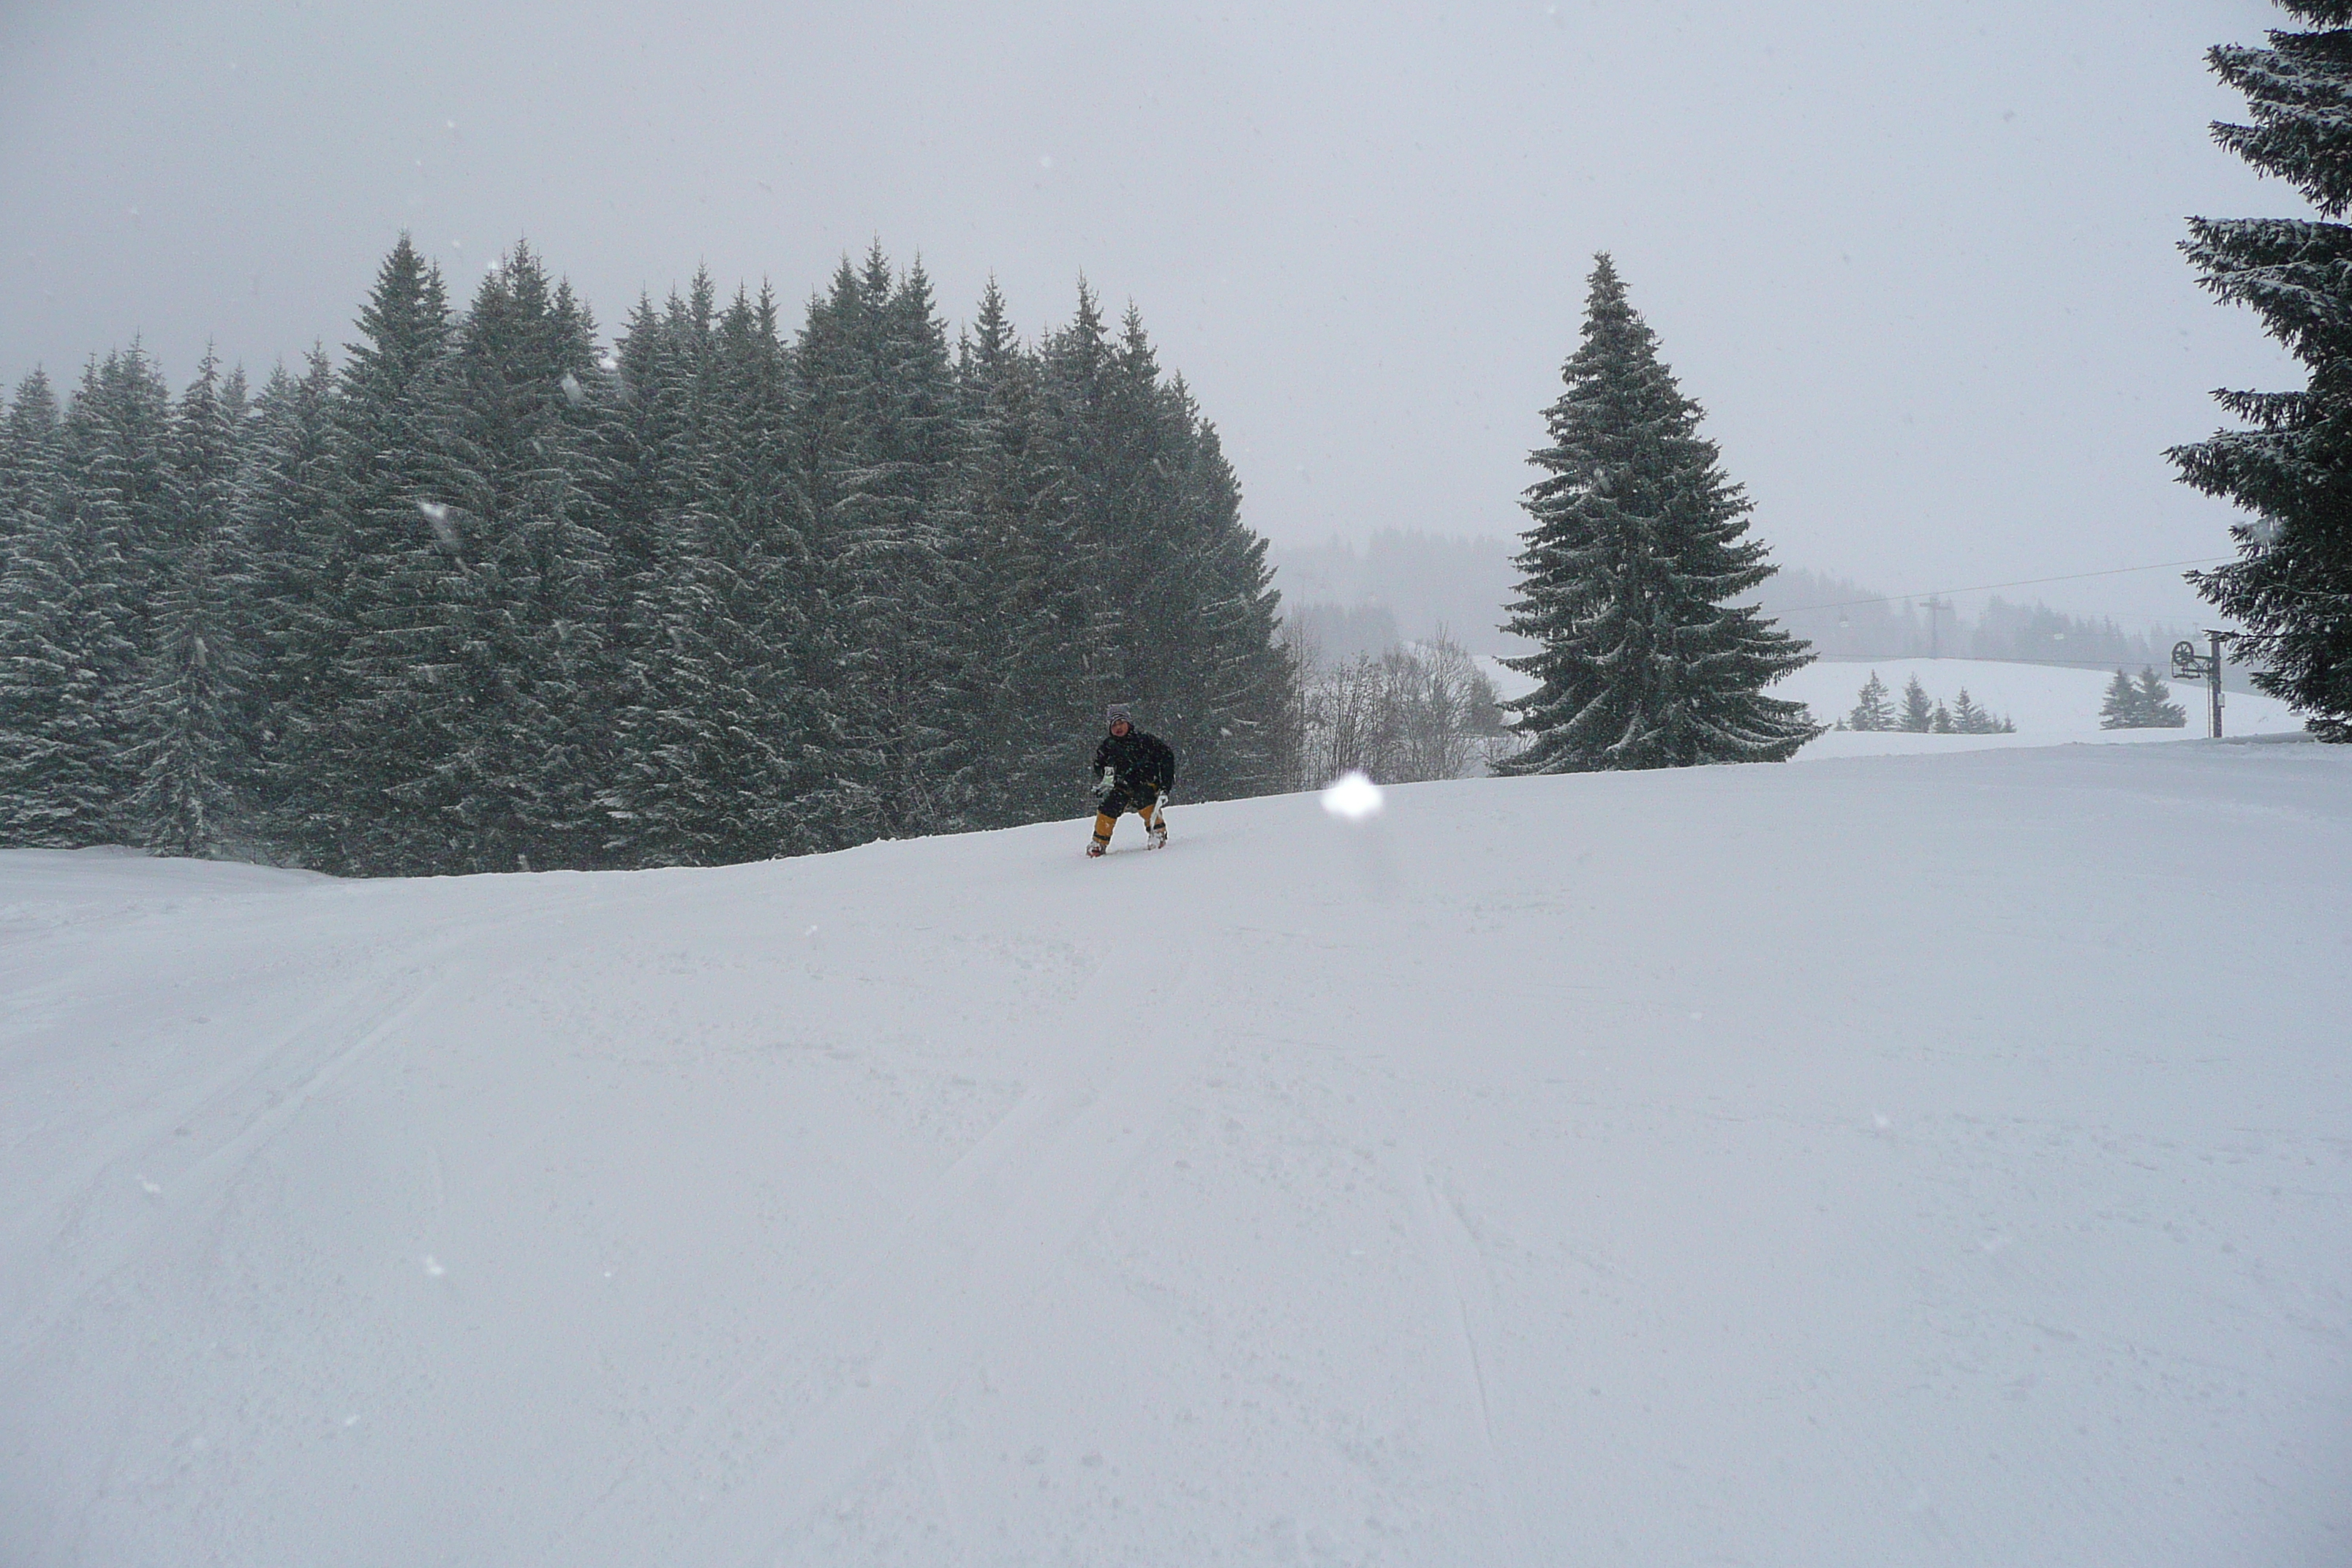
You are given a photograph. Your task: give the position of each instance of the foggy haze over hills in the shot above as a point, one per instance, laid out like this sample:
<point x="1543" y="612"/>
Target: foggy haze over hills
<point x="1933" y="308"/>
<point x="1350" y="599"/>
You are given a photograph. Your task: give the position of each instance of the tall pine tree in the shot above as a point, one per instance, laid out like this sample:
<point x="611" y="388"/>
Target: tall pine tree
<point x="28" y="458"/>
<point x="2291" y="466"/>
<point x="190" y="749"/>
<point x="76" y="605"/>
<point x="882" y="448"/>
<point x="1023" y="588"/>
<point x="294" y="566"/>
<point x="2121" y="708"/>
<point x="2158" y="710"/>
<point x="511" y="731"/>
<point x="1637" y="545"/>
<point x="1917" y="716"/>
<point x="382" y="581"/>
<point x="1873" y="710"/>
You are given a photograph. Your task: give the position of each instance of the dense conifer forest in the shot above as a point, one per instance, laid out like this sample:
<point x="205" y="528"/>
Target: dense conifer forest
<point x="489" y="593"/>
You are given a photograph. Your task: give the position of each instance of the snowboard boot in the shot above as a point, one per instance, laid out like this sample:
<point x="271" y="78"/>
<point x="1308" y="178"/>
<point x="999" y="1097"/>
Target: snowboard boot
<point x="1158" y="835"/>
<point x="1095" y="847"/>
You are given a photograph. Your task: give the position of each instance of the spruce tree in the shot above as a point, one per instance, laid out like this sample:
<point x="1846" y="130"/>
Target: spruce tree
<point x="115" y="456"/>
<point x="658" y="441"/>
<point x="881" y="448"/>
<point x="1967" y="719"/>
<point x="723" y="743"/>
<point x="1023" y="587"/>
<point x="1637" y="547"/>
<point x="185" y="712"/>
<point x="75" y="606"/>
<point x="1872" y="708"/>
<point x="767" y="586"/>
<point x="28" y="459"/>
<point x="2290" y="466"/>
<point x="390" y="559"/>
<point x="295" y="565"/>
<point x="655" y="411"/>
<point x="1918" y="714"/>
<point x="1197" y="613"/>
<point x="188" y="757"/>
<point x="510" y="731"/>
<point x="2121" y="708"/>
<point x="1075" y="372"/>
<point x="1235" y="674"/>
<point x="65" y="652"/>
<point x="2158" y="710"/>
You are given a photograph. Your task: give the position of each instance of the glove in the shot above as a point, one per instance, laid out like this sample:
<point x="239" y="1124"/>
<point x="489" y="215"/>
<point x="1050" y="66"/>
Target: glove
<point x="1161" y="802"/>
<point x="1103" y="785"/>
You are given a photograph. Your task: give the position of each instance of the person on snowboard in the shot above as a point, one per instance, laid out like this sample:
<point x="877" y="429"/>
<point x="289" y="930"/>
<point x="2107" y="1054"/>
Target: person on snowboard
<point x="1133" y="771"/>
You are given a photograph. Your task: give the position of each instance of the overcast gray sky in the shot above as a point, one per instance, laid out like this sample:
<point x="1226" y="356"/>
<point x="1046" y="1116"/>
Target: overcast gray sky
<point x="1916" y="261"/>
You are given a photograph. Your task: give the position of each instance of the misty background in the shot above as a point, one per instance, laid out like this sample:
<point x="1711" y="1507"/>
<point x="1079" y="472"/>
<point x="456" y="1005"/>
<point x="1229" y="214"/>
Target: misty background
<point x="1398" y="588"/>
<point x="1916" y="263"/>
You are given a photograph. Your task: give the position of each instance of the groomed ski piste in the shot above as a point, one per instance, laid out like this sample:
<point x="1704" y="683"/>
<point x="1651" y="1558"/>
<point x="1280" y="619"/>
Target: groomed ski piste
<point x="1895" y="1161"/>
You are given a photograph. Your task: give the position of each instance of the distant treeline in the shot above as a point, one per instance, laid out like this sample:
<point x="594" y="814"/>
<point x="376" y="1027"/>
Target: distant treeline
<point x="1822" y="610"/>
<point x="491" y="594"/>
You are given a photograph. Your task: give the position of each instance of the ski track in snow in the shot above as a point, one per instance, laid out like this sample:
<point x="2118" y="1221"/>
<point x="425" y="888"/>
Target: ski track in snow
<point x="813" y="1415"/>
<point x="239" y="1108"/>
<point x="1906" y="1161"/>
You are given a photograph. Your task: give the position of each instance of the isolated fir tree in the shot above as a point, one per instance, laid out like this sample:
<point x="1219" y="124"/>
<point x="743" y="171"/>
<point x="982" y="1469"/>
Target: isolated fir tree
<point x="1872" y="708"/>
<point x="2291" y="466"/>
<point x="1638" y="544"/>
<point x="1967" y="719"/>
<point x="2158" y="710"/>
<point x="2121" y="708"/>
<point x="1918" y="714"/>
<point x="2142" y="704"/>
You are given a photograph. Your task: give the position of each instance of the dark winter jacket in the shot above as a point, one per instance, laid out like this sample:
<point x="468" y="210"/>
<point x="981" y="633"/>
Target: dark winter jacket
<point x="1140" y="763"/>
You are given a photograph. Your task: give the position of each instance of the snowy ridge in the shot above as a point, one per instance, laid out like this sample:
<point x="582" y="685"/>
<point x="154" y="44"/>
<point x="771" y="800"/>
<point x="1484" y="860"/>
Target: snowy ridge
<point x="1883" y="1161"/>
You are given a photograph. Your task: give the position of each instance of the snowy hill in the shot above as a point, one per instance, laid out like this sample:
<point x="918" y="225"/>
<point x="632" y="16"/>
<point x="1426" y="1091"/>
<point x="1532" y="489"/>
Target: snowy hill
<point x="1546" y="1170"/>
<point x="2049" y="704"/>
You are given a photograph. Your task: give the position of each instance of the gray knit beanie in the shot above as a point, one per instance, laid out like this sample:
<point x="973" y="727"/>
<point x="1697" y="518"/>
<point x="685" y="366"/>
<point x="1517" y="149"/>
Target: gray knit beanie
<point x="1117" y="712"/>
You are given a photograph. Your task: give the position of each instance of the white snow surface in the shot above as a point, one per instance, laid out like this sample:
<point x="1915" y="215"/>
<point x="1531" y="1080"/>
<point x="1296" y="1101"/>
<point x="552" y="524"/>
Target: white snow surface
<point x="2049" y="704"/>
<point x="1903" y="1160"/>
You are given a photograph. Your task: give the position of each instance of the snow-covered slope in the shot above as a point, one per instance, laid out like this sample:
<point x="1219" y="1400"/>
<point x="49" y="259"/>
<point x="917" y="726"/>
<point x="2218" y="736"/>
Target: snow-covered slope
<point x="1903" y="1160"/>
<point x="2049" y="705"/>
